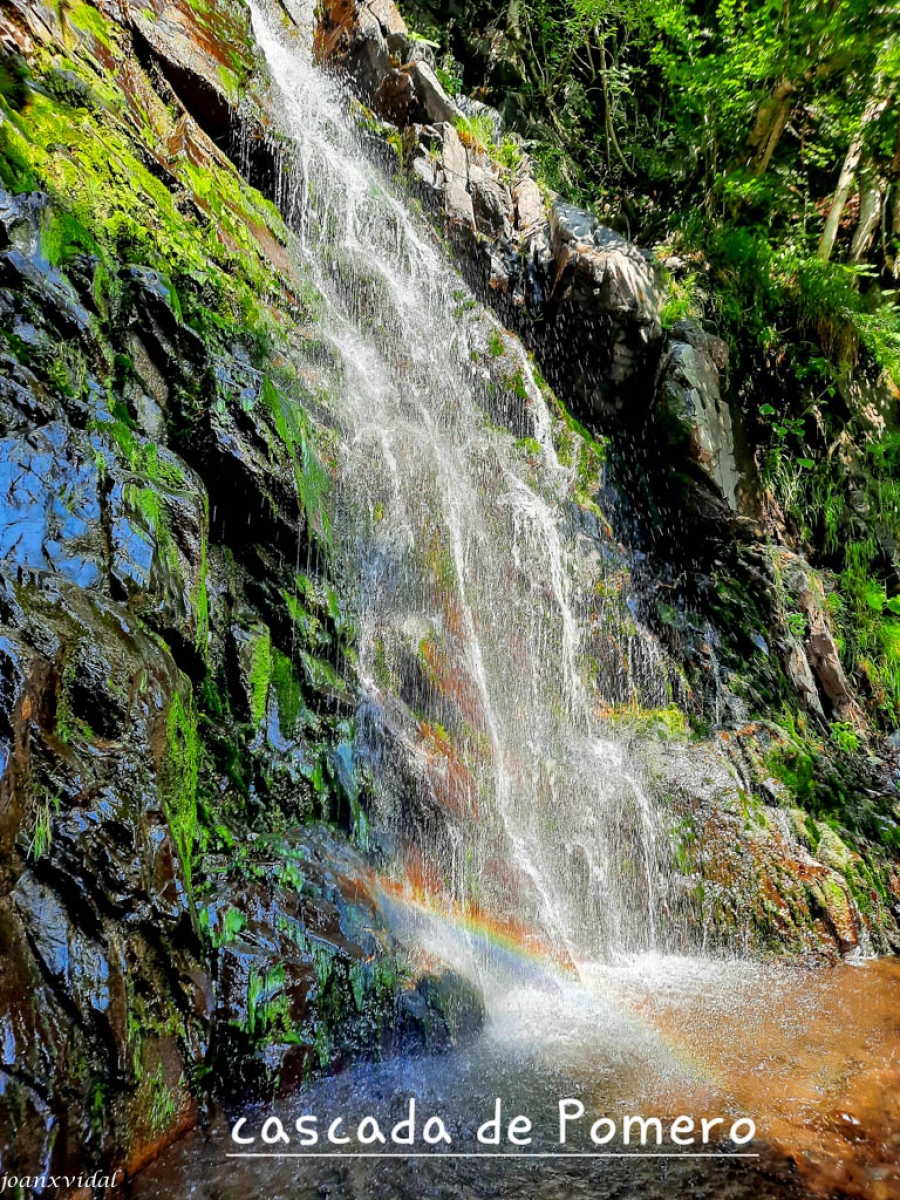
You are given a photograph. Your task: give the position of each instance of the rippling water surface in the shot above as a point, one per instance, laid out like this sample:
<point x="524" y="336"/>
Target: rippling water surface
<point x="812" y="1055"/>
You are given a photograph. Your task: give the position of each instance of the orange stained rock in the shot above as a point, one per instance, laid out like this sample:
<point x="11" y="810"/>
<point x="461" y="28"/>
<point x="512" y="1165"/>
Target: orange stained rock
<point x="448" y="777"/>
<point x="454" y="685"/>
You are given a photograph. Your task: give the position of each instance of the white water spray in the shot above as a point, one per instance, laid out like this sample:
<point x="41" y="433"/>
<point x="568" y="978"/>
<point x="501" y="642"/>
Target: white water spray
<point x="473" y="587"/>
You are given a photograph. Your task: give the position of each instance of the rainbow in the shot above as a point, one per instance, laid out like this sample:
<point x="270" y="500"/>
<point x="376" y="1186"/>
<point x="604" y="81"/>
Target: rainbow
<point x="503" y="941"/>
<point x="505" y="945"/>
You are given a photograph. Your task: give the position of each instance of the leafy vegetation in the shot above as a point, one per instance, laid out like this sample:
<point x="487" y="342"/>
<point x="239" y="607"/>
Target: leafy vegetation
<point x="755" y="148"/>
<point x="761" y="137"/>
<point x="42" y="836"/>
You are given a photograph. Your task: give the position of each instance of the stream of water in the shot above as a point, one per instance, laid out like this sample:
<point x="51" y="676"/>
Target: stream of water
<point x="474" y="581"/>
<point x="501" y="789"/>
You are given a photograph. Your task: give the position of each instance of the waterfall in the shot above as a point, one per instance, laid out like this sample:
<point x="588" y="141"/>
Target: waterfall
<point x="476" y="575"/>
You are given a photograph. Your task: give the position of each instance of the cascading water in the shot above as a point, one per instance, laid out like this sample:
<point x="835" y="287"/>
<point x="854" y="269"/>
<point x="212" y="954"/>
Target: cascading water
<point x="476" y="572"/>
<point x="484" y="594"/>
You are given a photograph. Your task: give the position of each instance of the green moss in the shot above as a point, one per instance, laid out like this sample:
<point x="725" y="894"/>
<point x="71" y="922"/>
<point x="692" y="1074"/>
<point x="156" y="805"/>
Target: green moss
<point x="530" y="446"/>
<point x="793" y="766"/>
<point x="516" y="384"/>
<point x="15" y="163"/>
<point x="380" y="664"/>
<point x="70" y="725"/>
<point x="162" y="1107"/>
<point x="229" y="81"/>
<point x="259" y="674"/>
<point x="835" y="895"/>
<point x="576" y="447"/>
<point x="268" y="1009"/>
<point x="63" y="235"/>
<point x="228" y="24"/>
<point x="200" y="595"/>
<point x="845" y="736"/>
<point x="224" y="931"/>
<point x="213" y="701"/>
<point x="141" y="455"/>
<point x="495" y="343"/>
<point x="14" y="77"/>
<point x="109" y="202"/>
<point x="664" y="722"/>
<point x="321" y="675"/>
<point x="313" y="634"/>
<point x="291" y="707"/>
<point x="180" y="779"/>
<point x="88" y="19"/>
<point x="293" y="427"/>
<point x="98" y="1105"/>
<point x="151" y="505"/>
<point x="147" y="502"/>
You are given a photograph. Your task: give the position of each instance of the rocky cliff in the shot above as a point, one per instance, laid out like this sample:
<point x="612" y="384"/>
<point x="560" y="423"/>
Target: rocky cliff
<point x="183" y="904"/>
<point x="715" y="574"/>
<point x="188" y="902"/>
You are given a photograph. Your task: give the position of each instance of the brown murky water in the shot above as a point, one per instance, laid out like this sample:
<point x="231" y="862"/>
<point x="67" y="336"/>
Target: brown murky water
<point x="813" y="1056"/>
<point x="816" y="1055"/>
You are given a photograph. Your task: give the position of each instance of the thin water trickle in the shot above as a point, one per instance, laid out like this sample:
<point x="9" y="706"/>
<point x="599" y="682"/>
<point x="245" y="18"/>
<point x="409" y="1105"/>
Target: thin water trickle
<point x="473" y="589"/>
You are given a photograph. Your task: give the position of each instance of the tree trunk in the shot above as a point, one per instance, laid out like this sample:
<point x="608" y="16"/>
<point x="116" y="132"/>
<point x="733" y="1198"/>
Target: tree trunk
<point x="771" y="119"/>
<point x="870" y="203"/>
<point x="874" y="109"/>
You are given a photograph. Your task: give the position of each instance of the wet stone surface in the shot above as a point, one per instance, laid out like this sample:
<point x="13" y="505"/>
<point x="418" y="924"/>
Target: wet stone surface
<point x="152" y="722"/>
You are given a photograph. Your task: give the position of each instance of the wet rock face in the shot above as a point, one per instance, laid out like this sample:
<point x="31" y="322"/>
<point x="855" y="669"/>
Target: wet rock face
<point x="102" y="981"/>
<point x="605" y="300"/>
<point x="176" y="703"/>
<point x="587" y="299"/>
<point x="690" y="397"/>
<point x="191" y="50"/>
<point x="587" y="303"/>
<point x="813" y="660"/>
<point x="752" y="629"/>
<point x="364" y="39"/>
<point x="285" y="957"/>
<point x="755" y="867"/>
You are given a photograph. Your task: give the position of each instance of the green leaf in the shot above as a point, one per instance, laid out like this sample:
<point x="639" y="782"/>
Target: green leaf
<point x="875" y="595"/>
